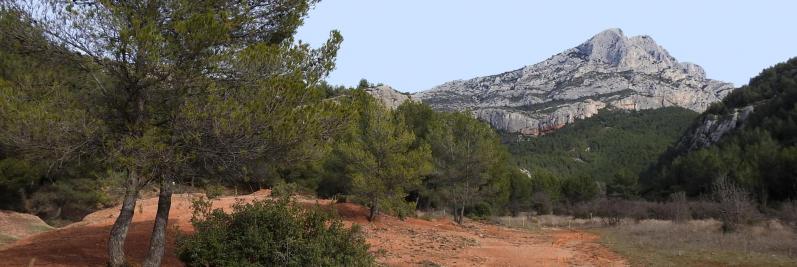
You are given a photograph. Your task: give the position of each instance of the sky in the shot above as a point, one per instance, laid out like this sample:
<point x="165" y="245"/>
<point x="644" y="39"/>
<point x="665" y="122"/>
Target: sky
<point x="414" y="45"/>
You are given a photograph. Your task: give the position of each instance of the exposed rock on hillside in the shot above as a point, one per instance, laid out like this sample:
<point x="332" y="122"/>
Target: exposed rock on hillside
<point x="712" y="128"/>
<point x="608" y="70"/>
<point x="389" y="96"/>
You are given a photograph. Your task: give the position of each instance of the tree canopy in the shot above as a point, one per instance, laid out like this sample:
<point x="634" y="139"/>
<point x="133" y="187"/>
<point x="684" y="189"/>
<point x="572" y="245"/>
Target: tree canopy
<point x="180" y="89"/>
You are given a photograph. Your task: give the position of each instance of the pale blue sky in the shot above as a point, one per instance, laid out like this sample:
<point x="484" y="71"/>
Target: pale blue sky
<point x="414" y="45"/>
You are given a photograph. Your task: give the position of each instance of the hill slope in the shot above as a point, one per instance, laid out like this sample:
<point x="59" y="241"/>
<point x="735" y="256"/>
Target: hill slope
<point x="750" y="137"/>
<point x="610" y="144"/>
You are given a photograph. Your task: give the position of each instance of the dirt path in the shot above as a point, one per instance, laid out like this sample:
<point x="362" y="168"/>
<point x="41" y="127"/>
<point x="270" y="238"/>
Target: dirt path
<point x="395" y="243"/>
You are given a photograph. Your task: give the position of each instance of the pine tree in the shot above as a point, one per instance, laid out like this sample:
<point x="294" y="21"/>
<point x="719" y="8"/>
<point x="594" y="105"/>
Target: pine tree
<point x="467" y="155"/>
<point x="381" y="161"/>
<point x="182" y="89"/>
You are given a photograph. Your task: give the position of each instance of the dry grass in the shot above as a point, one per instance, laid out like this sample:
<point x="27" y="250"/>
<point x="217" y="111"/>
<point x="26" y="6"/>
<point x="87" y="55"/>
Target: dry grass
<point x="691" y="243"/>
<point x="548" y="221"/>
<point x="702" y="243"/>
<point x="431" y="215"/>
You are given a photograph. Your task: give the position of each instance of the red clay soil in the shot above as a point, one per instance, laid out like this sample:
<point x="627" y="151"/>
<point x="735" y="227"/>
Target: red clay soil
<point x="14" y="225"/>
<point x="410" y="242"/>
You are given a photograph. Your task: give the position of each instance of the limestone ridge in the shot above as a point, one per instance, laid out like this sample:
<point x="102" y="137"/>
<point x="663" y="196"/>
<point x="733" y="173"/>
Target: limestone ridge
<point x="608" y="70"/>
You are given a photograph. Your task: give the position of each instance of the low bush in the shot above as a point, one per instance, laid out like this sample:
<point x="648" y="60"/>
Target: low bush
<point x="788" y="213"/>
<point x="271" y="233"/>
<point x="705" y="209"/>
<point x="283" y="189"/>
<point x="736" y="205"/>
<point x="214" y="190"/>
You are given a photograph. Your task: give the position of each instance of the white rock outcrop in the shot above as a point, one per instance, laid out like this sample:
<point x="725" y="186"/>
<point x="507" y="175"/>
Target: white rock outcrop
<point x="389" y="96"/>
<point x="713" y="127"/>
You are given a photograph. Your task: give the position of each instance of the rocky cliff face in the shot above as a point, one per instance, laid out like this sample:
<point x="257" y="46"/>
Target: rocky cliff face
<point x="389" y="96"/>
<point x="608" y="70"/>
<point x="711" y="128"/>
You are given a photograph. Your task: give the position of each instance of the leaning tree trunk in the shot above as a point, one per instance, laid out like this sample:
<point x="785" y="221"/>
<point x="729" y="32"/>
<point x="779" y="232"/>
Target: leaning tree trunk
<point x="461" y="216"/>
<point x="157" y="241"/>
<point x="116" y="242"/>
<point x="374" y="211"/>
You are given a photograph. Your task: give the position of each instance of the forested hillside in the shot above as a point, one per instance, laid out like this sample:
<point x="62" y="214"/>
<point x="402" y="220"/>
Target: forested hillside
<point x="32" y="67"/>
<point x="611" y="147"/>
<point x="756" y="149"/>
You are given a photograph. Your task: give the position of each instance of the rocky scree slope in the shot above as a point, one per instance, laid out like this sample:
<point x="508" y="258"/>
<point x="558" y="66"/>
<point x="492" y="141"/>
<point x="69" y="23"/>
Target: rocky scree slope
<point x="608" y="70"/>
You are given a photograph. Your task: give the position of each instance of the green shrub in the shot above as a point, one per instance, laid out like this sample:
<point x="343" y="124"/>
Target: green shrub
<point x="271" y="233"/>
<point x="213" y="191"/>
<point x="283" y="189"/>
<point x="480" y="210"/>
<point x="398" y="207"/>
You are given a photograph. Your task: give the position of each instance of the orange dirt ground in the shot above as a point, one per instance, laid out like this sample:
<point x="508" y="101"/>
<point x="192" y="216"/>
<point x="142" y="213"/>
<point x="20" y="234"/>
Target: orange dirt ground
<point x="410" y="242"/>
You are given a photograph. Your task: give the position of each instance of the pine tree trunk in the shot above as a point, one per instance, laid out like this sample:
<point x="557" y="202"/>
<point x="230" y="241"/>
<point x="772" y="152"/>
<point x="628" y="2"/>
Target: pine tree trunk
<point x="374" y="212"/>
<point x="116" y="242"/>
<point x="157" y="242"/>
<point x="462" y="214"/>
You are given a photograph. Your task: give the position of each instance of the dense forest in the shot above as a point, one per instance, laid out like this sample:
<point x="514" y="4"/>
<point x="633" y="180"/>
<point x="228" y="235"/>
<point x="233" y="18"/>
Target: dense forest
<point x="758" y="154"/>
<point x="612" y="147"/>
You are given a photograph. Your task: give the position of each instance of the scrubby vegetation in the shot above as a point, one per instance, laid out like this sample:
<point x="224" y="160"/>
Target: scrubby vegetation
<point x="271" y="233"/>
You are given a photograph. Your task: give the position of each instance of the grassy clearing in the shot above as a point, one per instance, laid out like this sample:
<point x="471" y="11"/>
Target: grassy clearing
<point x="701" y="243"/>
<point x="692" y="243"/>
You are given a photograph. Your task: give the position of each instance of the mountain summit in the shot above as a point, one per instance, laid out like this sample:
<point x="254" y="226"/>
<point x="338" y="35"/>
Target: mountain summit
<point x="608" y="70"/>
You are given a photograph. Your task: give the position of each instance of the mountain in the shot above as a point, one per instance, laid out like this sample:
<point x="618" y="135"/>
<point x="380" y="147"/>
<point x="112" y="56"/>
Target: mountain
<point x="750" y="138"/>
<point x="608" y="70"/>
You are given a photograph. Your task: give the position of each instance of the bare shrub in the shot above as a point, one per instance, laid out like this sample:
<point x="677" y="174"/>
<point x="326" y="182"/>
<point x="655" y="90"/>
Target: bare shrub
<point x="523" y="222"/>
<point x="678" y="207"/>
<point x="705" y="209"/>
<point x="583" y="210"/>
<point x="636" y="209"/>
<point x="787" y="212"/>
<point x="614" y="211"/>
<point x="565" y="221"/>
<point x="610" y="211"/>
<point x="736" y="205"/>
<point x="541" y="202"/>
